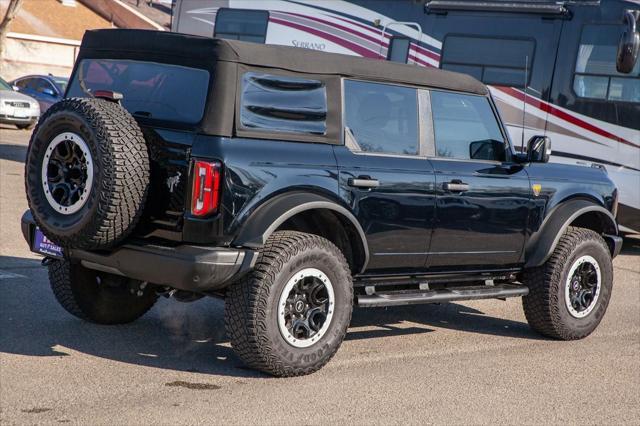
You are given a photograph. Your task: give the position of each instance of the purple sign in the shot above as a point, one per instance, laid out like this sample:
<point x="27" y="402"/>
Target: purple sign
<point x="43" y="245"/>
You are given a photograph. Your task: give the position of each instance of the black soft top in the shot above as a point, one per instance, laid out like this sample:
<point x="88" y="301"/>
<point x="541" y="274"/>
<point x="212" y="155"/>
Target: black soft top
<point x="191" y="50"/>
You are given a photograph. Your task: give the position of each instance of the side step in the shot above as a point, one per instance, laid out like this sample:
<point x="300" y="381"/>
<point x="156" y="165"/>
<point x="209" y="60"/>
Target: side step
<point x="416" y="297"/>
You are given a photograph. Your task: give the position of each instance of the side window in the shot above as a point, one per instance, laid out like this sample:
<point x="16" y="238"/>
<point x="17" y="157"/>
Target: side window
<point x="466" y="128"/>
<point x="382" y="118"/>
<point x="242" y="24"/>
<point x="596" y="76"/>
<point x="398" y="49"/>
<point x="498" y="61"/>
<point x="275" y="103"/>
<point x="42" y="85"/>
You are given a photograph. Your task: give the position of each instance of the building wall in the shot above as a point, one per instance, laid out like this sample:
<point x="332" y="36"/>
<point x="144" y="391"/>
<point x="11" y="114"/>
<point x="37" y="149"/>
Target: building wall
<point x="29" y="54"/>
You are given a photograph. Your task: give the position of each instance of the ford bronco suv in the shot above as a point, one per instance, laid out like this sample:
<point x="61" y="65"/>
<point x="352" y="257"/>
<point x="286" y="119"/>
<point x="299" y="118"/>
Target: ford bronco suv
<point x="296" y="185"/>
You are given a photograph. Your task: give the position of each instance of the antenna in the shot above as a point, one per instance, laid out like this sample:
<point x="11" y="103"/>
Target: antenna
<point x="524" y="100"/>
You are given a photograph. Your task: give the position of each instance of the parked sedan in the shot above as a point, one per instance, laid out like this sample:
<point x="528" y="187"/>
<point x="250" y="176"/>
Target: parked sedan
<point x="46" y="89"/>
<point x="17" y="108"/>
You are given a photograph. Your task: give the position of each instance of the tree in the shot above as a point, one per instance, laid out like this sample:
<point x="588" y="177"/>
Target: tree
<point x="12" y="11"/>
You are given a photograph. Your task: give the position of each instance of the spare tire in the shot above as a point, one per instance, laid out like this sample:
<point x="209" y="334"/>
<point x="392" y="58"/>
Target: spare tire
<point x="87" y="173"/>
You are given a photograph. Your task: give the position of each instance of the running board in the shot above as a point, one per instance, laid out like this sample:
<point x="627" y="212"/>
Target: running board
<point x="416" y="297"/>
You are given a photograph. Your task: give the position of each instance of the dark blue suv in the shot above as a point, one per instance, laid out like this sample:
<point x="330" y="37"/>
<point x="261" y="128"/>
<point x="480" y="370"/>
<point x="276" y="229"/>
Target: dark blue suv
<point x="296" y="184"/>
<point x="46" y="89"/>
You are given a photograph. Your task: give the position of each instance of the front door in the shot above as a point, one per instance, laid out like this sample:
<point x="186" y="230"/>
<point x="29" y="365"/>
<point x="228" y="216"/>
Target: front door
<point x="482" y="198"/>
<point x="385" y="177"/>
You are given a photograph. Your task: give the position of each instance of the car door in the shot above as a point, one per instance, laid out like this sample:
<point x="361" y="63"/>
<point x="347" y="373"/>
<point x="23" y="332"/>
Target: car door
<point x="384" y="175"/>
<point x="482" y="201"/>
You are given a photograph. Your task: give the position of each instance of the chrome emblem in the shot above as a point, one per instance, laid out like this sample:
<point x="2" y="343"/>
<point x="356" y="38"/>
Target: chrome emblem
<point x="172" y="181"/>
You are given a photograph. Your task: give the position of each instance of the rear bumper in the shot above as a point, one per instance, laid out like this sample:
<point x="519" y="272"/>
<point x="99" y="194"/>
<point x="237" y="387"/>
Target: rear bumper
<point x="186" y="267"/>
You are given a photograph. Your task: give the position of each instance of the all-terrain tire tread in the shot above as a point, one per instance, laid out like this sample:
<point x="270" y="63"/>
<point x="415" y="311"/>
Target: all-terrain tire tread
<point x="246" y="304"/>
<point x="541" y="305"/>
<point x="125" y="174"/>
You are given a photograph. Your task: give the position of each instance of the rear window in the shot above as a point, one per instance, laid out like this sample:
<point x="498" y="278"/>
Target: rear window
<point x="151" y="90"/>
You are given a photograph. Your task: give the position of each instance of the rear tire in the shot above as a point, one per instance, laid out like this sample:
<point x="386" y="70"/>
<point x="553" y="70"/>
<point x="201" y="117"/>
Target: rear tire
<point x="557" y="305"/>
<point x="98" y="297"/>
<point x="297" y="269"/>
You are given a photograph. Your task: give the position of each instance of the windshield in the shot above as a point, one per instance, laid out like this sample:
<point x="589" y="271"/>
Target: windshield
<point x="151" y="90"/>
<point x="4" y="85"/>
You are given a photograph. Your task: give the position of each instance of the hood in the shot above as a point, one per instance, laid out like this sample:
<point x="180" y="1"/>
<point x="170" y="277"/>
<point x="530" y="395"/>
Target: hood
<point x="10" y="95"/>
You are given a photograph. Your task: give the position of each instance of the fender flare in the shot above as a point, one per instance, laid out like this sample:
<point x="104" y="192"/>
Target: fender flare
<point x="544" y="241"/>
<point x="273" y="213"/>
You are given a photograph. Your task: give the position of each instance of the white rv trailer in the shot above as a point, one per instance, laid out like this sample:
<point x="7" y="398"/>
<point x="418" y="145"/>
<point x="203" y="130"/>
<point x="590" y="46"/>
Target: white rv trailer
<point x="551" y="66"/>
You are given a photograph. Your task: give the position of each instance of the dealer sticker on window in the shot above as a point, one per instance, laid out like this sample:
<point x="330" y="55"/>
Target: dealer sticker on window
<point x="43" y="245"/>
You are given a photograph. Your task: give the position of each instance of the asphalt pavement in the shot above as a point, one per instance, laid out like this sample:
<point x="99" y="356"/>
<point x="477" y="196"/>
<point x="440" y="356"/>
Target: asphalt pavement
<point x="457" y="363"/>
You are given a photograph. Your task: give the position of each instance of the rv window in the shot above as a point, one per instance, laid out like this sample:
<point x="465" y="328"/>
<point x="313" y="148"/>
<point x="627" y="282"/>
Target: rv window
<point x="242" y="24"/>
<point x="596" y="76"/>
<point x="466" y="128"/>
<point x="398" y="49"/>
<point x="382" y="118"/>
<point x="283" y="104"/>
<point x="499" y="61"/>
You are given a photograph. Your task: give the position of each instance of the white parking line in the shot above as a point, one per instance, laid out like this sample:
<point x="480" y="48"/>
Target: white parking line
<point x="9" y="275"/>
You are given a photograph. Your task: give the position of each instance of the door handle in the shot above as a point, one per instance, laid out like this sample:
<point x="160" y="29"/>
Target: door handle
<point x="363" y="182"/>
<point x="455" y="186"/>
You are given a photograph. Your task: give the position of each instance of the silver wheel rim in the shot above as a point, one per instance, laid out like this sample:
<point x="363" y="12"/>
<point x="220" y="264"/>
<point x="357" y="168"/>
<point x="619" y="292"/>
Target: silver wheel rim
<point x="582" y="287"/>
<point x="299" y="325"/>
<point x="67" y="173"/>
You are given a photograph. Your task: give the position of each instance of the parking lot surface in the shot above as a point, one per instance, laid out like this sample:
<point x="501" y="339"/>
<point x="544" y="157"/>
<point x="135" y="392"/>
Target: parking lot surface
<point x="475" y="362"/>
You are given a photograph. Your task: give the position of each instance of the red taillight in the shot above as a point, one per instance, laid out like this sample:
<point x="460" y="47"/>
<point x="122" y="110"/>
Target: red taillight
<point x="206" y="188"/>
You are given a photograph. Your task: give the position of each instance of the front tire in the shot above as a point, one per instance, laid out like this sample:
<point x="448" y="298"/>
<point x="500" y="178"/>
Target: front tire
<point x="570" y="292"/>
<point x="99" y="297"/>
<point x="291" y="313"/>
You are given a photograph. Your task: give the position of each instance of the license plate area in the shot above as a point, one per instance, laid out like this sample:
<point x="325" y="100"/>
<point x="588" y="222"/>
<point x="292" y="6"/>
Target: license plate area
<point x="42" y="245"/>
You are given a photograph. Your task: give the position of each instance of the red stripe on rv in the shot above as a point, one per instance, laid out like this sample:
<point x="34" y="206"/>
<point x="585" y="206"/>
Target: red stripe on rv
<point x="349" y="45"/>
<point x="342" y="27"/>
<point x="546" y="107"/>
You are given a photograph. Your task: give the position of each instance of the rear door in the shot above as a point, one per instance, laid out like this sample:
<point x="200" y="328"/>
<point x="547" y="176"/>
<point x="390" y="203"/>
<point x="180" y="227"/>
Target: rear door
<point x="384" y="175"/>
<point x="482" y="197"/>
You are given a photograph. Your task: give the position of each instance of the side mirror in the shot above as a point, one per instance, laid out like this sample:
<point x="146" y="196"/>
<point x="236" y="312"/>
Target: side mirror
<point x="49" y="92"/>
<point x="15" y="88"/>
<point x="629" y="44"/>
<point x="539" y="149"/>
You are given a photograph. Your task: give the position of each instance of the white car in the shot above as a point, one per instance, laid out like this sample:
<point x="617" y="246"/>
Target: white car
<point x="15" y="108"/>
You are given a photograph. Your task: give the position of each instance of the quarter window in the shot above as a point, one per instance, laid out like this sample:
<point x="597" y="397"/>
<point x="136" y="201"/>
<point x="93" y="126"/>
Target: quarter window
<point x="285" y="104"/>
<point x="596" y="76"/>
<point x="498" y="61"/>
<point x="382" y="118"/>
<point x="242" y="24"/>
<point x="466" y="128"/>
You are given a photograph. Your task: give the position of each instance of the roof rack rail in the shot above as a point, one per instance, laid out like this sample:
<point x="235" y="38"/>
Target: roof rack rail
<point x="443" y="6"/>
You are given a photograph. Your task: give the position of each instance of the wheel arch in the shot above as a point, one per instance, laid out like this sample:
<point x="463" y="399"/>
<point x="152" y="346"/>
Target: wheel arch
<point x="312" y="213"/>
<point x="583" y="213"/>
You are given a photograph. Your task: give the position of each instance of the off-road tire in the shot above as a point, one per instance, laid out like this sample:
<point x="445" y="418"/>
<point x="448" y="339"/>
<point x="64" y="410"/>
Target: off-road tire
<point x="545" y="307"/>
<point x="98" y="297"/>
<point x="251" y="305"/>
<point x="120" y="173"/>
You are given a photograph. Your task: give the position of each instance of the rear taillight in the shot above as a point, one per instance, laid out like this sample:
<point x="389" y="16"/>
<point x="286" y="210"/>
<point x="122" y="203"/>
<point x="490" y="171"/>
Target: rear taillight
<point x="206" y="188"/>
